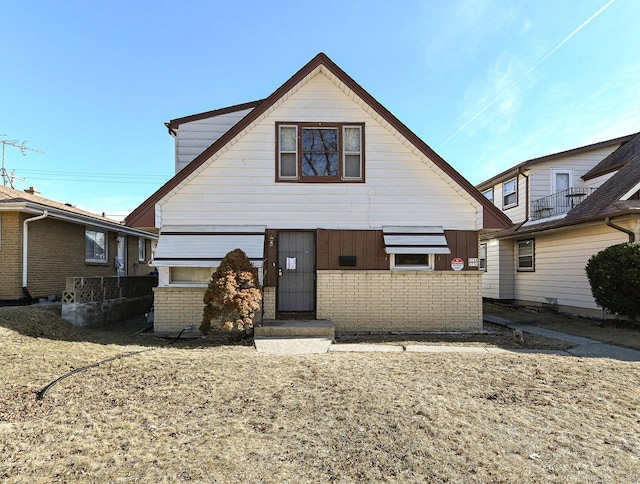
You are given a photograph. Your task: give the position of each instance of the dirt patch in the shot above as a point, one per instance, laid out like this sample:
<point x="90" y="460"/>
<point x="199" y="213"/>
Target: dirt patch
<point x="617" y="332"/>
<point x="493" y="335"/>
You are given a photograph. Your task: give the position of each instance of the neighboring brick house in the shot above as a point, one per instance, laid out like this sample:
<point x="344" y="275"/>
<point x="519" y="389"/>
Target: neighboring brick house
<point x="348" y="214"/>
<point x="566" y="207"/>
<point x="62" y="241"/>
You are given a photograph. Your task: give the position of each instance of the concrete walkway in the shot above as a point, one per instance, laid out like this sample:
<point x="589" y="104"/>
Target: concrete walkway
<point x="583" y="346"/>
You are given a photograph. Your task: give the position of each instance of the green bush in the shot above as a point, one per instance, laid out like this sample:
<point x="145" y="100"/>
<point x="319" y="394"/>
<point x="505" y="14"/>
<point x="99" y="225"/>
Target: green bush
<point x="233" y="295"/>
<point x="614" y="276"/>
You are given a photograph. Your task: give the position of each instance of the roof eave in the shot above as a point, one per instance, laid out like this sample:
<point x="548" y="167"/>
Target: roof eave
<point x="320" y="60"/>
<point x="37" y="208"/>
<point x="533" y="161"/>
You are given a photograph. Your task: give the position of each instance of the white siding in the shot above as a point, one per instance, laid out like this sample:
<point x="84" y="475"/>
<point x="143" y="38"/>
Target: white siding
<point x="518" y="213"/>
<point x="541" y="174"/>
<point x="239" y="186"/>
<point x="597" y="181"/>
<point x="195" y="137"/>
<point x="540" y="179"/>
<point x="497" y="281"/>
<point x="560" y="261"/>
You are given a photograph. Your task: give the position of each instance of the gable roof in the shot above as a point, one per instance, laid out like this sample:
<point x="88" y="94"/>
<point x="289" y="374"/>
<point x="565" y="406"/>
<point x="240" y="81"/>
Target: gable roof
<point x="21" y="201"/>
<point x="511" y="172"/>
<point x="174" y="124"/>
<point x="628" y="150"/>
<point x="605" y="200"/>
<point x="145" y="213"/>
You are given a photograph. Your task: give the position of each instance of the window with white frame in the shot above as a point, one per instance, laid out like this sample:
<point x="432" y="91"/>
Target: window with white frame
<point x="142" y="250"/>
<point x="320" y="152"/>
<point x="482" y="257"/>
<point x="526" y="255"/>
<point x="95" y="246"/>
<point x="488" y="194"/>
<point x="412" y="262"/>
<point x="510" y="193"/>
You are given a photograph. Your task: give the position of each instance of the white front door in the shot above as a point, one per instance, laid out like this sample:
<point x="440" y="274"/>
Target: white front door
<point x="121" y="260"/>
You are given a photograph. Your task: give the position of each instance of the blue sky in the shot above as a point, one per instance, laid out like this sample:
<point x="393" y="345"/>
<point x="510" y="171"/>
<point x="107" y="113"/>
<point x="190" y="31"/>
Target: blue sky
<point x="486" y="83"/>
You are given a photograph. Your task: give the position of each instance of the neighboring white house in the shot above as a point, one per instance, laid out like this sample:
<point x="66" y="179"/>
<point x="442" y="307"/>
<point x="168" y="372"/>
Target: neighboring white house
<point x="566" y="207"/>
<point x="348" y="215"/>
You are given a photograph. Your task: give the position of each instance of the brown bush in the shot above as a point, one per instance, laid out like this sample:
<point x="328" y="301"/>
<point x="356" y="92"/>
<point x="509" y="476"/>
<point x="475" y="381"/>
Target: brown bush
<point x="233" y="295"/>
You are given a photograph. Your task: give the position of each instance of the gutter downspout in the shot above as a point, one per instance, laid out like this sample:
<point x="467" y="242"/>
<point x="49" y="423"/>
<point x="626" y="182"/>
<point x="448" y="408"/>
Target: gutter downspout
<point x="526" y="186"/>
<point x="25" y="247"/>
<point x="631" y="234"/>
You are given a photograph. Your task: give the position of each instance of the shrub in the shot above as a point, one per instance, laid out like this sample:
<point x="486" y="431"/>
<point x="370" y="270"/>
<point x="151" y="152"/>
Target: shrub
<point x="614" y="276"/>
<point x="233" y="295"/>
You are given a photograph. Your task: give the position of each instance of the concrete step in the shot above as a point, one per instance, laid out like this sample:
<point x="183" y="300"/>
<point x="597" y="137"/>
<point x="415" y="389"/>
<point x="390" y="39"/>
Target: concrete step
<point x="296" y="329"/>
<point x="292" y="346"/>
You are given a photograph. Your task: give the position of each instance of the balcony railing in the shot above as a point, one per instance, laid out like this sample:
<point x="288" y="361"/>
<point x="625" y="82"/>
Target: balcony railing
<point x="558" y="203"/>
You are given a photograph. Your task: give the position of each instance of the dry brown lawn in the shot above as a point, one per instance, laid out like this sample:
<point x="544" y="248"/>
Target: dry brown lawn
<point x="219" y="412"/>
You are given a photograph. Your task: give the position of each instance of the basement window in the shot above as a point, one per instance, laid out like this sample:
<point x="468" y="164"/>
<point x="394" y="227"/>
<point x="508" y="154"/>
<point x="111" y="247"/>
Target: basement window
<point x="411" y="262"/>
<point x="190" y="275"/>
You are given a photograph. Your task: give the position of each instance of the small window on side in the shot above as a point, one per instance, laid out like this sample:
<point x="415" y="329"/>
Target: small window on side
<point x="95" y="246"/>
<point x="482" y="257"/>
<point x="526" y="255"/>
<point x="488" y="194"/>
<point x="142" y="250"/>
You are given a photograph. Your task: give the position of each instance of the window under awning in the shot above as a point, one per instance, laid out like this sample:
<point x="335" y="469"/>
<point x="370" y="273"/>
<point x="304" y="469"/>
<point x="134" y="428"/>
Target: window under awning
<point x="415" y="240"/>
<point x="206" y="246"/>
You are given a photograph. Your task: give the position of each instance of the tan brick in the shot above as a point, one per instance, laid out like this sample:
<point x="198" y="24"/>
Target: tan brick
<point x="400" y="301"/>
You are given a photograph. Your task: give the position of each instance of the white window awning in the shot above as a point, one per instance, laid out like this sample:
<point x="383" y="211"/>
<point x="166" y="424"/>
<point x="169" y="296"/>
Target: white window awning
<point x="415" y="240"/>
<point x="206" y="246"/>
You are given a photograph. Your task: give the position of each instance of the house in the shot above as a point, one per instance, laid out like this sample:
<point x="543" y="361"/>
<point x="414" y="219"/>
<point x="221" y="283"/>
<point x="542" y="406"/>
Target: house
<point x="347" y="213"/>
<point x="566" y="207"/>
<point x="42" y="242"/>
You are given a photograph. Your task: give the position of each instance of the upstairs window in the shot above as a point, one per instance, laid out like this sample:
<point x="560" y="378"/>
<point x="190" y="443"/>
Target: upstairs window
<point x="488" y="194"/>
<point x="510" y="193"/>
<point x="320" y="152"/>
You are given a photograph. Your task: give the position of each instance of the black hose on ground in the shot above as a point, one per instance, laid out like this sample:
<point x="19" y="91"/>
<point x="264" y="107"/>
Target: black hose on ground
<point x="42" y="393"/>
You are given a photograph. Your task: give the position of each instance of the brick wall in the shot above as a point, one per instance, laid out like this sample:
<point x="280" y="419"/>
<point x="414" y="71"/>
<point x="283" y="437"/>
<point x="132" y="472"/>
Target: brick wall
<point x="174" y="308"/>
<point x="400" y="300"/>
<point x="57" y="251"/>
<point x="10" y="255"/>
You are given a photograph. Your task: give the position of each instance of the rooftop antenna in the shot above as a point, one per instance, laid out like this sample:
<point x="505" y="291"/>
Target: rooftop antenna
<point x="6" y="177"/>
